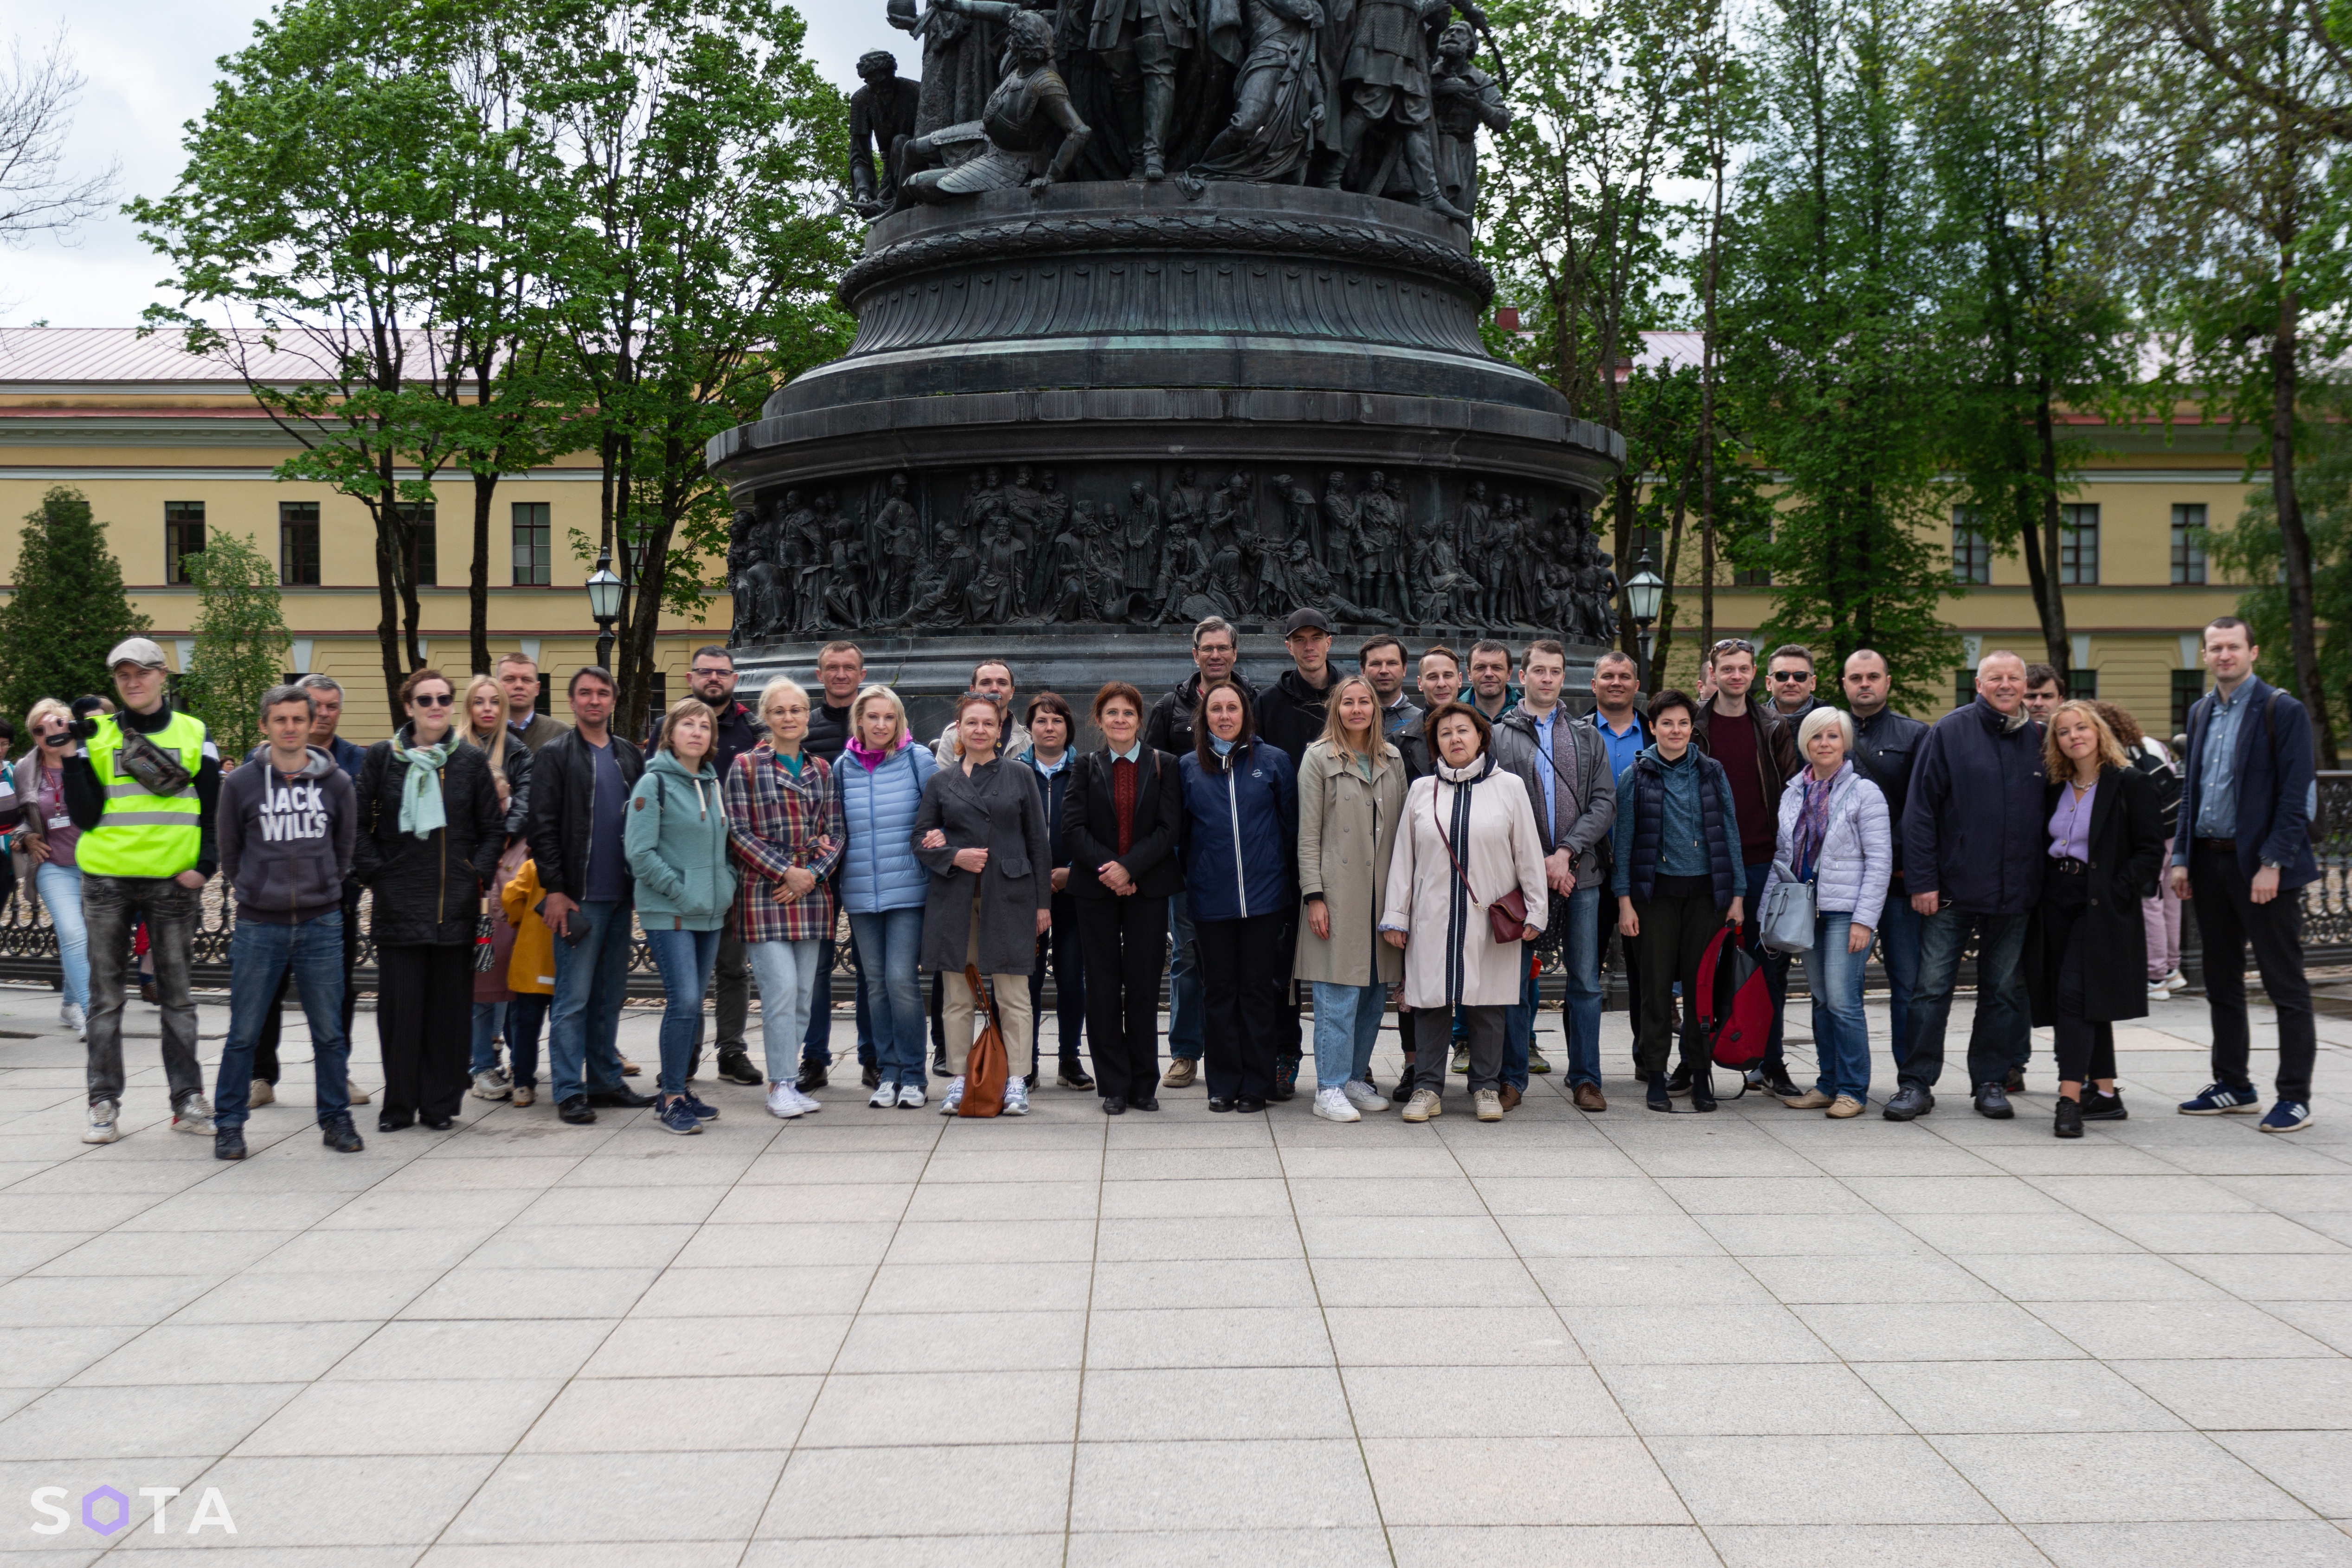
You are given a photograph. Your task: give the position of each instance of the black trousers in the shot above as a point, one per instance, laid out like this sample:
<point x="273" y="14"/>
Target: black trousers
<point x="2085" y="1050"/>
<point x="424" y="1023"/>
<point x="1059" y="947"/>
<point x="1675" y="930"/>
<point x="1483" y="1030"/>
<point x="1126" y="946"/>
<point x="265" y="1049"/>
<point x="2229" y="918"/>
<point x="1243" y="968"/>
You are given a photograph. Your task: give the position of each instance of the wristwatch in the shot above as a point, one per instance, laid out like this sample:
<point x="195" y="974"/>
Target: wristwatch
<point x="2272" y="865"/>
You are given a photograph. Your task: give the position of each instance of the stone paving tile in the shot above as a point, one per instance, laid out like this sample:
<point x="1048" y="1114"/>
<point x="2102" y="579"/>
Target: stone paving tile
<point x="883" y="1339"/>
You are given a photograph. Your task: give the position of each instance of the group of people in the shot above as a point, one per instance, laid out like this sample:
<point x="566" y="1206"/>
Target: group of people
<point x="1325" y="833"/>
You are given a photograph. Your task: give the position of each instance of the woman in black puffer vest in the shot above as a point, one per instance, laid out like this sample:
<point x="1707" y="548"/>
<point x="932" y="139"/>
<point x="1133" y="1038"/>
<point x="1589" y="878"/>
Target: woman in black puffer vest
<point x="430" y="832"/>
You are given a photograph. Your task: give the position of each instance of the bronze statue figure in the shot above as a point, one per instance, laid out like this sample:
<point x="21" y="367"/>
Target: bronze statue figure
<point x="1027" y="133"/>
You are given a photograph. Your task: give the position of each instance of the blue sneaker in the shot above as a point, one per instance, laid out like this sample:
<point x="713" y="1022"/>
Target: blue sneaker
<point x="2220" y="1099"/>
<point x="701" y="1112"/>
<point x="2287" y="1116"/>
<point x="677" y="1116"/>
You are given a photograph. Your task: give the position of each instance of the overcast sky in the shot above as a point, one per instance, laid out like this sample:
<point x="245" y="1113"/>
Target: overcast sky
<point x="149" y="64"/>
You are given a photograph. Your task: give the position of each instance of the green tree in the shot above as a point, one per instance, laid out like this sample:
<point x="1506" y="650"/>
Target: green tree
<point x="2035" y="197"/>
<point x="241" y="641"/>
<point x="68" y="609"/>
<point x="2253" y="551"/>
<point x="1833" y="353"/>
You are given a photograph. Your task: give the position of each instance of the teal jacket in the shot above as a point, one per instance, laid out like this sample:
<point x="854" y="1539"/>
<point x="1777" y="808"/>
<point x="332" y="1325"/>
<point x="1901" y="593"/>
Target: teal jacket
<point x="676" y="840"/>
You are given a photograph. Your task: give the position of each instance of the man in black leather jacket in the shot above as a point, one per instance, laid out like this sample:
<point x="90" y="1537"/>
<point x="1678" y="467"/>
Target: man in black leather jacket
<point x="1888" y="750"/>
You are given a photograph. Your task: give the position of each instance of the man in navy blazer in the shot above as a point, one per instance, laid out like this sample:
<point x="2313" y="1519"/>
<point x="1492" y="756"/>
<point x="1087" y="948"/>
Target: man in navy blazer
<point x="2245" y="840"/>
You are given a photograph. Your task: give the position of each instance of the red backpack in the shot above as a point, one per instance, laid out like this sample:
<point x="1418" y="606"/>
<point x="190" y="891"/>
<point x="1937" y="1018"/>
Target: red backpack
<point x="1735" y="1003"/>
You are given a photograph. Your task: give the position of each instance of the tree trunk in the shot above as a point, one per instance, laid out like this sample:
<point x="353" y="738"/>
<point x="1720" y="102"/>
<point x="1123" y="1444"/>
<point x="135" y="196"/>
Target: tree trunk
<point x="478" y="587"/>
<point x="2049" y="592"/>
<point x="387" y="567"/>
<point x="635" y="655"/>
<point x="2294" y="543"/>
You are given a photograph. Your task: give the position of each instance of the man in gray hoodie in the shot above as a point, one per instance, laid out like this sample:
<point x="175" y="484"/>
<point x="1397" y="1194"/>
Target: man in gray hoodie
<point x="287" y="820"/>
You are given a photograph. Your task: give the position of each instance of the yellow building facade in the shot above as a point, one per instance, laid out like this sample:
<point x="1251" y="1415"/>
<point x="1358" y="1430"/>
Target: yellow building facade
<point x="171" y="449"/>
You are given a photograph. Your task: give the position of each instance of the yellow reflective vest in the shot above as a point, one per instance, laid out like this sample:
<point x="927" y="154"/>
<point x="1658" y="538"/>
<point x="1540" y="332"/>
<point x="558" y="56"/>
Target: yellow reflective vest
<point x="144" y="835"/>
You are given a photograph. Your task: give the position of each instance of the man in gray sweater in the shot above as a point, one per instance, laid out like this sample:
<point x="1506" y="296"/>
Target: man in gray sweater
<point x="287" y="821"/>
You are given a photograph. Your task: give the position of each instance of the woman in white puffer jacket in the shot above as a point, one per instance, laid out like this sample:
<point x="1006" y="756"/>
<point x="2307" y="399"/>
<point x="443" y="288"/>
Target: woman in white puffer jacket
<point x="1834" y="834"/>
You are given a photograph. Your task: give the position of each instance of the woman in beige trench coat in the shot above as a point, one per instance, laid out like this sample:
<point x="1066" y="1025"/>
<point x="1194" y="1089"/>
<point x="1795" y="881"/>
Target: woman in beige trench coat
<point x="1468" y="838"/>
<point x="1350" y="792"/>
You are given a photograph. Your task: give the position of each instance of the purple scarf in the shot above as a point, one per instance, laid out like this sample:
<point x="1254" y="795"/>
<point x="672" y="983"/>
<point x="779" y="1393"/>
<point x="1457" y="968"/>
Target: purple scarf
<point x="1813" y="818"/>
<point x="871" y="759"/>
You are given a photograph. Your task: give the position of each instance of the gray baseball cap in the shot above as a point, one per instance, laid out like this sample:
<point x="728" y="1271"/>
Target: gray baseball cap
<point x="136" y="650"/>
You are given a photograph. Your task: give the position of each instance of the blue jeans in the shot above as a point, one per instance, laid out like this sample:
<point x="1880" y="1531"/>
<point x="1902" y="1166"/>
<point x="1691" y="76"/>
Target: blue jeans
<point x="816" y="1046"/>
<point x="1994" y="1041"/>
<point x="1581" y="959"/>
<point x="1899" y="953"/>
<point x="1187" y="1000"/>
<point x="888" y="942"/>
<point x="1347" y="1027"/>
<point x="1776" y="965"/>
<point x="584" y="1054"/>
<point x="683" y="958"/>
<point x="1840" y="1035"/>
<point x="259" y="957"/>
<point x="61" y="888"/>
<point x="789" y="973"/>
<point x="490" y="1018"/>
<point x="526" y="1015"/>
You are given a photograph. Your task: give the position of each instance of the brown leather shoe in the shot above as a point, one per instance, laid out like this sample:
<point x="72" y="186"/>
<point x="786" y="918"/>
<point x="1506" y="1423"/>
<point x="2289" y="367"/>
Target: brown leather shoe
<point x="1510" y="1098"/>
<point x="1587" y="1098"/>
<point x="1181" y="1071"/>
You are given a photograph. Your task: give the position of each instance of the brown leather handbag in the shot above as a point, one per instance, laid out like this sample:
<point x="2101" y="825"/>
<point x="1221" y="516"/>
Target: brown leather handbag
<point x="985" y="1068"/>
<point x="1507" y="916"/>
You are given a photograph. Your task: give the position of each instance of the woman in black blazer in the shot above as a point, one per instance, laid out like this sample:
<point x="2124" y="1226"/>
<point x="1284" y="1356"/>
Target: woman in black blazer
<point x="1123" y="867"/>
<point x="2086" y="952"/>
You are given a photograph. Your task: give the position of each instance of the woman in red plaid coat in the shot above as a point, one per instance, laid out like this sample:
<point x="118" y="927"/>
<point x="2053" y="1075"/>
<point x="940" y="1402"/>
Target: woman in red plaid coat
<point x="784" y="829"/>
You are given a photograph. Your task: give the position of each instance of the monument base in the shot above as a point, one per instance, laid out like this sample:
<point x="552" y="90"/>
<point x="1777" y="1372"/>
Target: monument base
<point x="931" y="671"/>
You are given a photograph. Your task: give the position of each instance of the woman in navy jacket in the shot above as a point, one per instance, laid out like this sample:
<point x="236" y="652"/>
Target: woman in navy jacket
<point x="1058" y="948"/>
<point x="1239" y="845"/>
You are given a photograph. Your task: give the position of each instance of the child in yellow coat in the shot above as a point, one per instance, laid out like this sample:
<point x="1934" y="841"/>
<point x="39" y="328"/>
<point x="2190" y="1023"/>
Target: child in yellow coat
<point x="530" y="975"/>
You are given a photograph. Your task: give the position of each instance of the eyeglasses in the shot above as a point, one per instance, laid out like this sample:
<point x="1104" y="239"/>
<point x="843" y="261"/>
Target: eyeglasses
<point x="427" y="700"/>
<point x="714" y="669"/>
<point x="1793" y="674"/>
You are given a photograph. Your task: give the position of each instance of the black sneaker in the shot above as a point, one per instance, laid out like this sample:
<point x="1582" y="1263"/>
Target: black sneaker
<point x="575" y="1110"/>
<point x="229" y="1144"/>
<point x="621" y="1100"/>
<point x="338" y="1133"/>
<point x="1073" y="1076"/>
<point x="870" y="1077"/>
<point x="2015" y="1082"/>
<point x="1778" y="1085"/>
<point x="2097" y="1107"/>
<point x="1678" y="1082"/>
<point x="1911" y="1102"/>
<point x="2068" y="1122"/>
<point x="735" y="1066"/>
<point x="1992" y="1102"/>
<point x="1403" y="1090"/>
<point x="813" y="1076"/>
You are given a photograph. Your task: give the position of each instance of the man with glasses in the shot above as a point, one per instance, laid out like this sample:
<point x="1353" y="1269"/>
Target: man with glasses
<point x="1215" y="649"/>
<point x="1758" y="754"/>
<point x="1791" y="674"/>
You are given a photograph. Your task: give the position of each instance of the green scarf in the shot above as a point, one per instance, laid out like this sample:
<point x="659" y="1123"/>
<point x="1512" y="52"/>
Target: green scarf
<point x="421" y="808"/>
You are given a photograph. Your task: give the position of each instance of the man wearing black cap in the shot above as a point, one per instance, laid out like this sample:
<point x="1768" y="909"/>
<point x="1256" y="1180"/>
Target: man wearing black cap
<point x="1290" y="712"/>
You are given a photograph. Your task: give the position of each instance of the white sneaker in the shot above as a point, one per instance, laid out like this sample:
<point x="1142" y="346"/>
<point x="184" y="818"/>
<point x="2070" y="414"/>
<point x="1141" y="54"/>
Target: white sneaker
<point x="74" y="1018"/>
<point x="884" y="1097"/>
<point x="488" y="1085"/>
<point x="784" y="1101"/>
<point x="2157" y="991"/>
<point x="359" y="1095"/>
<point x="1363" y="1096"/>
<point x="2176" y="981"/>
<point x="954" y="1096"/>
<point x="193" y="1115"/>
<point x="102" y="1128"/>
<point x="1016" y="1097"/>
<point x="804" y="1101"/>
<point x="910" y="1097"/>
<point x="262" y="1092"/>
<point x="1331" y="1105"/>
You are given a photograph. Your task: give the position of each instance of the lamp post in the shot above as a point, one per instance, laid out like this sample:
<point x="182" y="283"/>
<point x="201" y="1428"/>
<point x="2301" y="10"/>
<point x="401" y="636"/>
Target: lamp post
<point x="604" y="605"/>
<point x="1642" y="592"/>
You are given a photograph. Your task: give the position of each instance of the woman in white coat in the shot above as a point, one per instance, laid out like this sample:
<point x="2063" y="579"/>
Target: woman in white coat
<point x="1834" y="834"/>
<point x="1468" y="839"/>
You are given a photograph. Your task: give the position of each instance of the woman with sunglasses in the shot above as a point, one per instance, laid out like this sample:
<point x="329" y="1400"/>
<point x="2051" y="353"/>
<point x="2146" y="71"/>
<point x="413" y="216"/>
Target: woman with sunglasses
<point x="430" y="832"/>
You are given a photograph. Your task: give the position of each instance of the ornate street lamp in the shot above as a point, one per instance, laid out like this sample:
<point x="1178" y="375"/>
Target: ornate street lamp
<point x="1642" y="592"/>
<point x="604" y="604"/>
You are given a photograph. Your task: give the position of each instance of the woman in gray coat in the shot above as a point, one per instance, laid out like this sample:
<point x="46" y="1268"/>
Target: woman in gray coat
<point x="1350" y="790"/>
<point x="982" y="831"/>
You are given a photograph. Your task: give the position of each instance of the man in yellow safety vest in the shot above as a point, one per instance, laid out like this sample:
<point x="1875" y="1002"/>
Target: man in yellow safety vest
<point x="142" y="787"/>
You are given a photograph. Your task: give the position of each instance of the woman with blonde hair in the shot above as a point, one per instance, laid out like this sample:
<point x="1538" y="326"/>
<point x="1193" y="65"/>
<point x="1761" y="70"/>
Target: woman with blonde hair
<point x="677" y="838"/>
<point x="880" y="784"/>
<point x="483" y="725"/>
<point x="784" y="826"/>
<point x="1351" y="790"/>
<point x="2086" y="950"/>
<point x="48" y="839"/>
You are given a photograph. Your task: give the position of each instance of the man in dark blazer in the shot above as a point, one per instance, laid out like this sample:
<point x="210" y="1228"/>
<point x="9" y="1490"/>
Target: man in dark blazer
<point x="2244" y="842"/>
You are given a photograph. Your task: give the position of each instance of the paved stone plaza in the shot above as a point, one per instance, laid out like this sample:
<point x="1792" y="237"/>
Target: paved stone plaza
<point x="885" y="1338"/>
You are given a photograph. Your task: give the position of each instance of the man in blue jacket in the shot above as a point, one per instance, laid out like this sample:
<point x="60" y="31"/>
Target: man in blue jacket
<point x="1975" y="846"/>
<point x="2245" y="840"/>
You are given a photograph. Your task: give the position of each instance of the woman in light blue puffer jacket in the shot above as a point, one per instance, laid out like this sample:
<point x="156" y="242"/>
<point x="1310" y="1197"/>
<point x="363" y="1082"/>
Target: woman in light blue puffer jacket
<point x="881" y="776"/>
<point x="1834" y="833"/>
